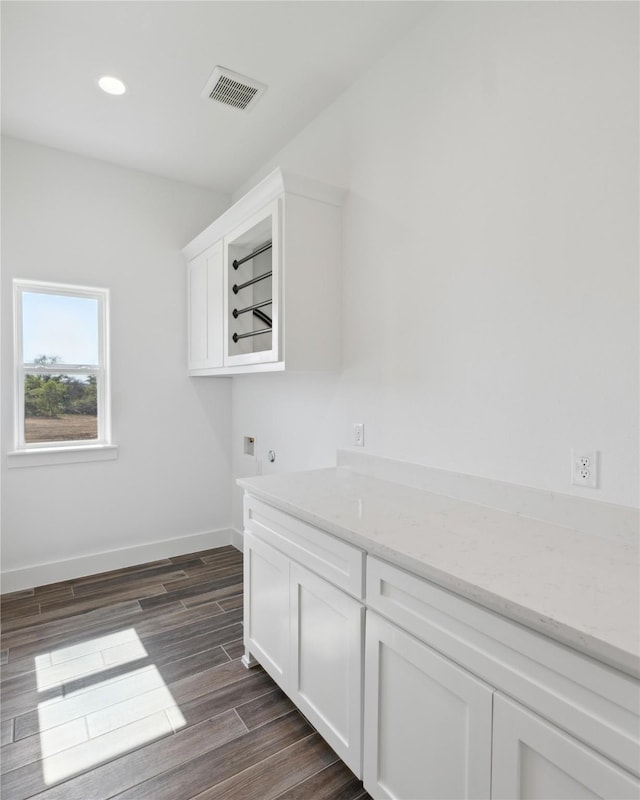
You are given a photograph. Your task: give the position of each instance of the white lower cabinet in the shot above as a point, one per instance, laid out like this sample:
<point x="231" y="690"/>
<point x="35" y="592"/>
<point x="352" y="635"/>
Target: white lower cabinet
<point x="427" y="722"/>
<point x="458" y="701"/>
<point x="534" y="759"/>
<point x="308" y="635"/>
<point x="326" y="666"/>
<point x="266" y="608"/>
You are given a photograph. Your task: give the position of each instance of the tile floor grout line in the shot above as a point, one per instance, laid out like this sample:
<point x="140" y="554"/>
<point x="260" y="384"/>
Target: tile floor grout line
<point x="262" y="761"/>
<point x="308" y="778"/>
<point x="242" y="722"/>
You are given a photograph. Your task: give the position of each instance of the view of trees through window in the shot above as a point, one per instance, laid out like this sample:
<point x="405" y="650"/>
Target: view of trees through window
<point x="59" y="407"/>
<point x="61" y="387"/>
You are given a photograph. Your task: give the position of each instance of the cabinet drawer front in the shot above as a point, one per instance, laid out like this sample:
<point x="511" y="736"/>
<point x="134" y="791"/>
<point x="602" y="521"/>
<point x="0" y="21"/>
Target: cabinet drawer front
<point x="340" y="563"/>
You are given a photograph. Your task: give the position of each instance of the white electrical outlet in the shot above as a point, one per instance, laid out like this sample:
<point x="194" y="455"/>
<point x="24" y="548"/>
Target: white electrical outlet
<point x="358" y="434"/>
<point x="584" y="468"/>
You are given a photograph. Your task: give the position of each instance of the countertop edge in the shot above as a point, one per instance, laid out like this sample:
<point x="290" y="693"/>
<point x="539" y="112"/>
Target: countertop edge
<point x="580" y="641"/>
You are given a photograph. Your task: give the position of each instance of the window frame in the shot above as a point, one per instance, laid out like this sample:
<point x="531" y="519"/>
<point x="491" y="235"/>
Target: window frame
<point x="77" y="449"/>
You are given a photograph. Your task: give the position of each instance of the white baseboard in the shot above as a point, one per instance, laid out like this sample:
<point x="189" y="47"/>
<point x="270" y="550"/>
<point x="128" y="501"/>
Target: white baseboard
<point x="237" y="539"/>
<point x="42" y="574"/>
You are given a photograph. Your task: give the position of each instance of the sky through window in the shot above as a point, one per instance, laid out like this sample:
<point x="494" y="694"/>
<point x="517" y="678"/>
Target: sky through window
<point x="59" y="325"/>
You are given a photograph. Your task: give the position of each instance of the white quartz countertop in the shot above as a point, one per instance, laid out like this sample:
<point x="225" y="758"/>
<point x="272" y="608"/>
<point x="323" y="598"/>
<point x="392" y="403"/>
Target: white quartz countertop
<point x="580" y="589"/>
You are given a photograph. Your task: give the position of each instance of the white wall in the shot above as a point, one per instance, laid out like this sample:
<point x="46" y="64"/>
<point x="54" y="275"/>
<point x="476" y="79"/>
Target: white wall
<point x="73" y="220"/>
<point x="490" y="253"/>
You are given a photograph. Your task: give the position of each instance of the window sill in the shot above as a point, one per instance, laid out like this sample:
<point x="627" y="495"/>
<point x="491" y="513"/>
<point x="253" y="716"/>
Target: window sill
<point x="48" y="456"/>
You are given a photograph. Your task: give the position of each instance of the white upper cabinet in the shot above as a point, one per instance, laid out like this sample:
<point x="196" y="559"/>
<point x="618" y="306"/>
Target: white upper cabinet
<point x="264" y="282"/>
<point x="205" y="292"/>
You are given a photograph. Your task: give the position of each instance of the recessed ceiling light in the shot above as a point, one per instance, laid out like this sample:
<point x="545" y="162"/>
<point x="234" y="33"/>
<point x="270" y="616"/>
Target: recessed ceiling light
<point x="111" y="85"/>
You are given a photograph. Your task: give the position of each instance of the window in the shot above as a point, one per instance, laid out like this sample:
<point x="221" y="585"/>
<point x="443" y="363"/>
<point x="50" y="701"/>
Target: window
<point x="61" y="376"/>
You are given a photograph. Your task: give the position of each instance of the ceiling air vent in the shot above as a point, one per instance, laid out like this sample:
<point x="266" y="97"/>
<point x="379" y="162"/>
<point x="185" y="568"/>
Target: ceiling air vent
<point x="233" y="89"/>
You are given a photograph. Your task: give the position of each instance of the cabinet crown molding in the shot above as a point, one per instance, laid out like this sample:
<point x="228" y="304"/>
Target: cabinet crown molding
<point x="276" y="184"/>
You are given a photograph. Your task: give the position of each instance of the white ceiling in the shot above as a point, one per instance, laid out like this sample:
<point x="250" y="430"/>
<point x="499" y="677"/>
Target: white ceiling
<point x="307" y="52"/>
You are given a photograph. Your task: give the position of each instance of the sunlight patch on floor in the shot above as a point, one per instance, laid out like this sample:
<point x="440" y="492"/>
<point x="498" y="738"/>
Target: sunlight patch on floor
<point x="84" y="659"/>
<point x="101" y="719"/>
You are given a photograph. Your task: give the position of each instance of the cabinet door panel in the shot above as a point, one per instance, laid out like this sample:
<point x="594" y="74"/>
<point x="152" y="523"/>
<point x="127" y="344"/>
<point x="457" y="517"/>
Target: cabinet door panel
<point x="266" y="608"/>
<point x="532" y="759"/>
<point x="427" y="728"/>
<point x="198" y="312"/>
<point x="215" y="284"/>
<point x="326" y="675"/>
<point x="205" y="302"/>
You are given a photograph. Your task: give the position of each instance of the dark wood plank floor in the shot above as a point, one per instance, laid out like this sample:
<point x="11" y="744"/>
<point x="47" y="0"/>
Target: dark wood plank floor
<point x="129" y="685"/>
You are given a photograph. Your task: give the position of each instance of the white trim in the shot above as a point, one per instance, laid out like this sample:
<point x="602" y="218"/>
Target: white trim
<point x="228" y="372"/>
<point x="91" y="564"/>
<point x="237" y="539"/>
<point x="44" y="287"/>
<point x="49" y="456"/>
